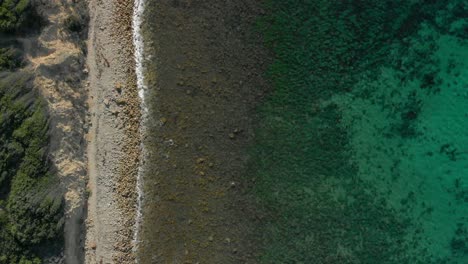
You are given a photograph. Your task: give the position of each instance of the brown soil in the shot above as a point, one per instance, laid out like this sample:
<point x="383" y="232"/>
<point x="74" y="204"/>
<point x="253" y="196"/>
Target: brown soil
<point x="204" y="84"/>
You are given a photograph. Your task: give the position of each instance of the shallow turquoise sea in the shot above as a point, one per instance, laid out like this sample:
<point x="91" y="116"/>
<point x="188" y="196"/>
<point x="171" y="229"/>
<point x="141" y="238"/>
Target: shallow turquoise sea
<point x="422" y="173"/>
<point x="361" y="151"/>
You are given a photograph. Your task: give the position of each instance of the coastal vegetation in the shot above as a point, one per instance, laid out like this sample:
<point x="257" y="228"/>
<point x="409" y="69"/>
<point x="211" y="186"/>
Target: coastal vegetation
<point x="31" y="201"/>
<point x="14" y="14"/>
<point x="10" y="59"/>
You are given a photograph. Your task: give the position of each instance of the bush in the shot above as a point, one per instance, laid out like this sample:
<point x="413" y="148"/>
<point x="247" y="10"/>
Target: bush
<point x="74" y="23"/>
<point x="10" y="59"/>
<point x="13" y="14"/>
<point x="31" y="208"/>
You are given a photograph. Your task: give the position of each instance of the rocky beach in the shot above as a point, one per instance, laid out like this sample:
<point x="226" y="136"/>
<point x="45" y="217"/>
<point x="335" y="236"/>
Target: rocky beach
<point x="114" y="138"/>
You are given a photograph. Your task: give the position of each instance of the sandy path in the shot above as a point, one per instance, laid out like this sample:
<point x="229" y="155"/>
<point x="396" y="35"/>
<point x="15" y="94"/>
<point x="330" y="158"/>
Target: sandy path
<point x="56" y="59"/>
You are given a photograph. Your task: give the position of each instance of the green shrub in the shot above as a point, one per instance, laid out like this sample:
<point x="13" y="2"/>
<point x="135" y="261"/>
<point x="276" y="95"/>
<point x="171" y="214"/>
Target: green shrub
<point x="13" y="14"/>
<point x="10" y="59"/>
<point x="31" y="208"/>
<point x="74" y="23"/>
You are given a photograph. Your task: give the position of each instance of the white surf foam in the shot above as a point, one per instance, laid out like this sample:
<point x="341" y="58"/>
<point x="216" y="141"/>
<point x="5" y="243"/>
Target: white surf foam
<point x="138" y="44"/>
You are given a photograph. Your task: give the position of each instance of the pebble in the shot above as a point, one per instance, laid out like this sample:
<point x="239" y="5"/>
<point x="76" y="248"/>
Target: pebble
<point x="121" y="101"/>
<point x="118" y="87"/>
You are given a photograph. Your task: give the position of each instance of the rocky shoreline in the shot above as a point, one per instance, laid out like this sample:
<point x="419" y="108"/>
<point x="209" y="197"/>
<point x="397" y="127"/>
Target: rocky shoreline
<point x="128" y="167"/>
<point x="204" y="75"/>
<point x="114" y="138"/>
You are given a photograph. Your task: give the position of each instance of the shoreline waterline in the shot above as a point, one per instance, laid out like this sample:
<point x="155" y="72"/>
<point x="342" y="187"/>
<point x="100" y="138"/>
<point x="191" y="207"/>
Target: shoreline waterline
<point x="199" y="125"/>
<point x="138" y="10"/>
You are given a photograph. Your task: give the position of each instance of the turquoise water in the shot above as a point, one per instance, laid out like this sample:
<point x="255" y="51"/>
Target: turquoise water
<point x="410" y="142"/>
<point x="360" y="152"/>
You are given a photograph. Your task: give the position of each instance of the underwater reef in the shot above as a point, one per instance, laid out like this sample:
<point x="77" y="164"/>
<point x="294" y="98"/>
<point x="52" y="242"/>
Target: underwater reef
<point x="341" y="154"/>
